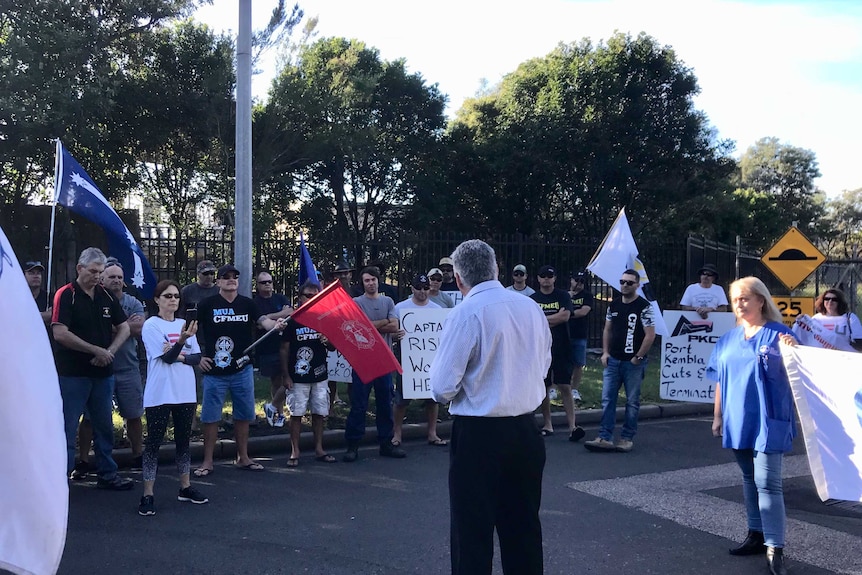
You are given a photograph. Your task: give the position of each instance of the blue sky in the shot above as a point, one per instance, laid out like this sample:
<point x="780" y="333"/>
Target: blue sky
<point x="789" y="69"/>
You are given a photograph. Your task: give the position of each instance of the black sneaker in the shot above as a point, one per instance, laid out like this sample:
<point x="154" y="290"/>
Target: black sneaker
<point x="351" y="455"/>
<point x="137" y="463"/>
<point x="578" y="434"/>
<point x="147" y="506"/>
<point x="116" y="483"/>
<point x="82" y="469"/>
<point x="193" y="495"/>
<point x="389" y="450"/>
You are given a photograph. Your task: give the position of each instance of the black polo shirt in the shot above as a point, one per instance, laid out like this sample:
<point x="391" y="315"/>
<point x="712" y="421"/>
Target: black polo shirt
<point x="91" y="319"/>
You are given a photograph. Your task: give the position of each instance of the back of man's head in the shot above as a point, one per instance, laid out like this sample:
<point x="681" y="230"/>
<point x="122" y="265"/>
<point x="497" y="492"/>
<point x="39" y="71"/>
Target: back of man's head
<point x="475" y="262"/>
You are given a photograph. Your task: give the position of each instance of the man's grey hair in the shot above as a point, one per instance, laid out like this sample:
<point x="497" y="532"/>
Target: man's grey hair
<point x="92" y="256"/>
<point x="475" y="262"/>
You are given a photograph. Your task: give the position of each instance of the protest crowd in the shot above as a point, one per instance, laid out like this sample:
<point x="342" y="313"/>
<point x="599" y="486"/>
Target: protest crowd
<point x="206" y="340"/>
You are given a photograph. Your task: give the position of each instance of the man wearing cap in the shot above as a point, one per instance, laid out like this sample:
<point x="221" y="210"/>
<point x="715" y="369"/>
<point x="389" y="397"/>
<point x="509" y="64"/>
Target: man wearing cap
<point x="519" y="281"/>
<point x="204" y="287"/>
<point x="435" y="280"/>
<point x="85" y="315"/>
<point x="33" y="272"/>
<point x="380" y="309"/>
<point x="274" y="306"/>
<point x="496" y="456"/>
<point x="557" y="307"/>
<point x="704" y="296"/>
<point x="449" y="286"/>
<point x="579" y="328"/>
<point x="343" y="273"/>
<point x="420" y="286"/>
<point x="227" y="321"/>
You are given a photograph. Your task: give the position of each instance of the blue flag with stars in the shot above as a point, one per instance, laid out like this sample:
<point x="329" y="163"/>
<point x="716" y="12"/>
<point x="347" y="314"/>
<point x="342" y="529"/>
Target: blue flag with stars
<point x="75" y="190"/>
<point x="307" y="271"/>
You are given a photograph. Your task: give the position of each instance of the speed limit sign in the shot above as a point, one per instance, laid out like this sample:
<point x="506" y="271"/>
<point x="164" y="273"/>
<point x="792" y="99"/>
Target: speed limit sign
<point x="790" y="307"/>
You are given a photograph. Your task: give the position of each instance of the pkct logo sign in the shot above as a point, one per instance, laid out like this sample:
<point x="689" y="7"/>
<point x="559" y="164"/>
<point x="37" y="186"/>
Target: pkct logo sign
<point x="684" y="326"/>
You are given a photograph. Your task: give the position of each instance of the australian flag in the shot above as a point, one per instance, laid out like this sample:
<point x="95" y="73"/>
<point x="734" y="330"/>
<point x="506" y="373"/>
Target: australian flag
<point x="75" y="190"/>
<point x="307" y="271"/>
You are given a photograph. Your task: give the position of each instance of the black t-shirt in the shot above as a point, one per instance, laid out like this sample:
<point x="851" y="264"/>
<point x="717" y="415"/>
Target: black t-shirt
<point x="579" y="327"/>
<point x="449" y="286"/>
<point x="227" y="328"/>
<point x="42" y="300"/>
<point x="268" y="305"/>
<point x="551" y="304"/>
<point x="306" y="361"/>
<point x="627" y="326"/>
<point x="91" y="319"/>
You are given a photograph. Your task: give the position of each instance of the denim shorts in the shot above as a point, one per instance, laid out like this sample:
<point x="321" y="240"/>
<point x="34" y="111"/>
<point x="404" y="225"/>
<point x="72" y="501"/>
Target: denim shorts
<point x="579" y="352"/>
<point x="129" y="393"/>
<point x="241" y="387"/>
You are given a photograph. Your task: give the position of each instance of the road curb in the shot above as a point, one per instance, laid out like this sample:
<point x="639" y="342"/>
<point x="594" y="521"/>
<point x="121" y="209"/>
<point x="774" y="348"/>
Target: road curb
<point x="333" y="440"/>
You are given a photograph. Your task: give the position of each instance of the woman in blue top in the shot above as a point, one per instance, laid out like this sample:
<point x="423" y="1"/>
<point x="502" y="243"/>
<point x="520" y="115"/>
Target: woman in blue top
<point x="754" y="413"/>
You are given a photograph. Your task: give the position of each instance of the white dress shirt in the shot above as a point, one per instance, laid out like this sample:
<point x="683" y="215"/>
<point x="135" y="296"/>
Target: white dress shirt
<point x="494" y="354"/>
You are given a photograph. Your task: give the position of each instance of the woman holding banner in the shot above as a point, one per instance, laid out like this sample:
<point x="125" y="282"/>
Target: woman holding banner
<point x="839" y="326"/>
<point x="754" y="413"/>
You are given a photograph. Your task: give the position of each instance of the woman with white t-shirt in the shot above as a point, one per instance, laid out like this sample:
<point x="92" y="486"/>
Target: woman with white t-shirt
<point x="172" y="350"/>
<point x="833" y="314"/>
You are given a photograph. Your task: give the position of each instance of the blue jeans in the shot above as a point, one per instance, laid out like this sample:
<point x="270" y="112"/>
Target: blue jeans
<point x="617" y="374"/>
<point x="354" y="427"/>
<point x="764" y="494"/>
<point x="96" y="394"/>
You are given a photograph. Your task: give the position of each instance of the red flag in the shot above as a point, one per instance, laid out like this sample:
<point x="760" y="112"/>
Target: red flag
<point x="333" y="313"/>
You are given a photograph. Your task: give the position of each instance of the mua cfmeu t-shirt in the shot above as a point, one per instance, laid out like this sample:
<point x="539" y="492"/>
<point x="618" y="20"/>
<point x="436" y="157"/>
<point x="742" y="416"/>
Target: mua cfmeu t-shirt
<point x="227" y="329"/>
<point x="167" y="384"/>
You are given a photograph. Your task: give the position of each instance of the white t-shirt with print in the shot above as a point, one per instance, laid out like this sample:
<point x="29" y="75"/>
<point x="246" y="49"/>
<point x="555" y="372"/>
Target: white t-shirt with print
<point x="698" y="296"/>
<point x="167" y="384"/>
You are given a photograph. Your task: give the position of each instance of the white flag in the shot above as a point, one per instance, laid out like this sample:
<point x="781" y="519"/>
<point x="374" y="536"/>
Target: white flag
<point x="34" y="490"/>
<point x="618" y="253"/>
<point x="828" y="397"/>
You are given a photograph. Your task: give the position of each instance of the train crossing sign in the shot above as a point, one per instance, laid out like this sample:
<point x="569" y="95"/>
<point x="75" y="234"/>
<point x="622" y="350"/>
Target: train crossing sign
<point x="793" y="258"/>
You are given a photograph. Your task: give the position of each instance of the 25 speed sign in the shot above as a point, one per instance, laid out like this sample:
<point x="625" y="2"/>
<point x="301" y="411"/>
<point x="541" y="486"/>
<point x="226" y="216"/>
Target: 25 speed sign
<point x="790" y="307"/>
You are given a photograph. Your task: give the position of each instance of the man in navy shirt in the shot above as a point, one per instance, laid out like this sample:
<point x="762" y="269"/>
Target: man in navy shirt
<point x="274" y="306"/>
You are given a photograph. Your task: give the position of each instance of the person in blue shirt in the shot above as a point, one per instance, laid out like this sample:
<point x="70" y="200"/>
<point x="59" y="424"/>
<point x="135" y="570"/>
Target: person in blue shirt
<point x="754" y="413"/>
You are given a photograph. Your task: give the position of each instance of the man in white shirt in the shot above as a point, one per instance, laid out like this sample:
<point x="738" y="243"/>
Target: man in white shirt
<point x="519" y="281"/>
<point x="704" y="296"/>
<point x="494" y="352"/>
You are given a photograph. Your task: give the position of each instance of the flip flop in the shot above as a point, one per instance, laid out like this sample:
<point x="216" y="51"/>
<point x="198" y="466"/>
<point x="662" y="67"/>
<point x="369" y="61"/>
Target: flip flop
<point x="326" y="458"/>
<point x="547" y="432"/>
<point x="293" y="462"/>
<point x="438" y="442"/>
<point x="203" y="472"/>
<point x="253" y="466"/>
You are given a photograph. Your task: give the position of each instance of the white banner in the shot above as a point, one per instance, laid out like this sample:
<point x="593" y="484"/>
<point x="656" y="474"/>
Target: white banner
<point x="828" y="394"/>
<point x="339" y="368"/>
<point x="418" y="348"/>
<point x="811" y="332"/>
<point x="34" y="489"/>
<point x="685" y="353"/>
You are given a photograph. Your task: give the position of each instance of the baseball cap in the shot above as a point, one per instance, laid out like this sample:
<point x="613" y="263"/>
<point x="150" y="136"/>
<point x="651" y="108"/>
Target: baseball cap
<point x="206" y="266"/>
<point x="580" y="275"/>
<point x="420" y="281"/>
<point x="226" y="269"/>
<point x="446" y="262"/>
<point x="32" y="265"/>
<point x="434" y="272"/>
<point x="547" y="270"/>
<point x="520" y="268"/>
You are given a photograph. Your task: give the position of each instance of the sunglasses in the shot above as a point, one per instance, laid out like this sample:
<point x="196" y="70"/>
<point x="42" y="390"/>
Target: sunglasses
<point x="230" y="277"/>
<point x="627" y="282"/>
<point x="436" y="279"/>
<point x="830" y="299"/>
<point x="212" y="273"/>
<point x="546" y="276"/>
<point x="307" y="294"/>
<point x="710" y="274"/>
<point x="171" y="295"/>
<point x="422" y="288"/>
<point x="518" y="274"/>
<point x="265" y="282"/>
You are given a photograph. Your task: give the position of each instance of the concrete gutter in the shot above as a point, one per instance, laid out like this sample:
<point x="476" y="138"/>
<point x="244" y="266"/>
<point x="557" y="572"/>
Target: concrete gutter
<point x="333" y="440"/>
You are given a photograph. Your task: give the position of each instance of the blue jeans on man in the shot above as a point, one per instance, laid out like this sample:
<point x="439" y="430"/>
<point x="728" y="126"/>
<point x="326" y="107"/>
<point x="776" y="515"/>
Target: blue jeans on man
<point x="354" y="427"/>
<point x="621" y="373"/>
<point x="96" y="394"/>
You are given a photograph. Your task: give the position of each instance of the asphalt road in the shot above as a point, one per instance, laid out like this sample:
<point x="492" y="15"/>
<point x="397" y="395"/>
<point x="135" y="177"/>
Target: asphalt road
<point x="669" y="507"/>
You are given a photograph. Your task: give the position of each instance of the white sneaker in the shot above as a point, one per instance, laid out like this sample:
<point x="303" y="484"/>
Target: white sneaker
<point x="576" y="395"/>
<point x="552" y="393"/>
<point x="270" y="412"/>
<point x="278" y="420"/>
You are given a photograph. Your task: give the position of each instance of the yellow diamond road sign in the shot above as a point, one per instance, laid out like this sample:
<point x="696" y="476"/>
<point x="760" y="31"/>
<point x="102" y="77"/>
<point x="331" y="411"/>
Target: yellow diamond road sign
<point x="792" y="258"/>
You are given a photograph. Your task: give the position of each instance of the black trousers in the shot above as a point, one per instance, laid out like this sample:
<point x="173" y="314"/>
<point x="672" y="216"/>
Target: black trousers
<point x="495" y="481"/>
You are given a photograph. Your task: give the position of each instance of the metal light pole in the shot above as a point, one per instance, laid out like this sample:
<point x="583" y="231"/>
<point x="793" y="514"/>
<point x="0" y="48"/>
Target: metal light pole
<point x="242" y="216"/>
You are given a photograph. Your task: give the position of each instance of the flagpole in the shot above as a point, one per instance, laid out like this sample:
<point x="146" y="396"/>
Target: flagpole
<point x="58" y="158"/>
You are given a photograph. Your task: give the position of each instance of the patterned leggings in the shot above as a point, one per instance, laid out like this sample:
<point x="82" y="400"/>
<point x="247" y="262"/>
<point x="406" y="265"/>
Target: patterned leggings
<point x="157" y="424"/>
